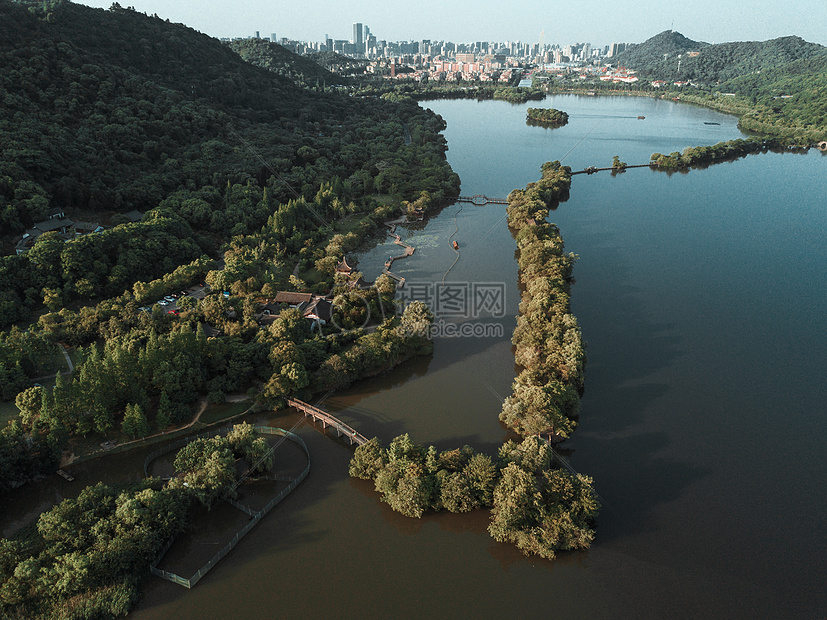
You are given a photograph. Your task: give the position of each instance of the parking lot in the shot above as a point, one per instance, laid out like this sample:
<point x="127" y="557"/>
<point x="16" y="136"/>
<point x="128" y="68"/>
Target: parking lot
<point x="170" y="302"/>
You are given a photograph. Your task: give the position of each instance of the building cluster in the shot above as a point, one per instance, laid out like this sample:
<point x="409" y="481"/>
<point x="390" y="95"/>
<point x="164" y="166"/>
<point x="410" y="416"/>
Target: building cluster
<point x="480" y="61"/>
<point x="483" y="60"/>
<point x="67" y="229"/>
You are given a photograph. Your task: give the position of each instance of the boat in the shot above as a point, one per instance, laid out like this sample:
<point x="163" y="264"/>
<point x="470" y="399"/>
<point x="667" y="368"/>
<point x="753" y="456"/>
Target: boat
<point x="63" y="474"/>
<point x="456" y="245"/>
<point x="710" y="123"/>
<point x="640" y="118"/>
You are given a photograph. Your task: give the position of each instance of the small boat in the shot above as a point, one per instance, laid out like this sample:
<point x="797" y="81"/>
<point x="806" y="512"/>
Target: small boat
<point x="456" y="245"/>
<point x="710" y="123"/>
<point x="63" y="474"/>
<point x="640" y="118"/>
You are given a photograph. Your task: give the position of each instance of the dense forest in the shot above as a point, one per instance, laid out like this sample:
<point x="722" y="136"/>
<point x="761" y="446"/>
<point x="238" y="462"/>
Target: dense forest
<point x="152" y="107"/>
<point x="249" y="184"/>
<point x="666" y="57"/>
<point x="272" y="56"/>
<point x="109" y="111"/>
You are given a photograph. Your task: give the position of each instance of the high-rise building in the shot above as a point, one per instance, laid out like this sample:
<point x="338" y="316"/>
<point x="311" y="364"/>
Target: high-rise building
<point x="617" y="48"/>
<point x="357" y="34"/>
<point x="273" y="37"/>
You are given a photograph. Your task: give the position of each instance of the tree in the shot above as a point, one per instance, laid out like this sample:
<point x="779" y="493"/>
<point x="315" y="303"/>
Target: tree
<point x="28" y="402"/>
<point x="368" y="460"/>
<point x="206" y="469"/>
<point x="134" y="422"/>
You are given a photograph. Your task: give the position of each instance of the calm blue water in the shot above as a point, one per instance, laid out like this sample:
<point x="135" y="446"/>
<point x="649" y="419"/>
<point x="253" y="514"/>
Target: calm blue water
<point x="702" y="299"/>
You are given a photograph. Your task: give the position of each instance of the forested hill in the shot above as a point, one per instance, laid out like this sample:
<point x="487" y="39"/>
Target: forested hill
<point x="660" y="57"/>
<point x="343" y="65"/>
<point x="106" y="111"/>
<point x="274" y="57"/>
<point x="652" y="51"/>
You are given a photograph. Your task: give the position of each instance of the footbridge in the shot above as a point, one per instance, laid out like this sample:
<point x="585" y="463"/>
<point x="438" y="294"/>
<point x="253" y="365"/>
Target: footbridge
<point x="342" y="429"/>
<point x="480" y="200"/>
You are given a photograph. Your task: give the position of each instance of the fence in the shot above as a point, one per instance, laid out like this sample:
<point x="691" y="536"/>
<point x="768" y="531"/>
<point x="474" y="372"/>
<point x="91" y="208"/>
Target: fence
<point x="256" y="516"/>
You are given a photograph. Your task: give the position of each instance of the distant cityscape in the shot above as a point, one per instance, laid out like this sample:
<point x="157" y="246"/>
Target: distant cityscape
<point x="483" y="61"/>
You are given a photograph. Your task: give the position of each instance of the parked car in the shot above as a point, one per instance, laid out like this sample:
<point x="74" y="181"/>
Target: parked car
<point x="169" y="298"/>
<point x="163" y="302"/>
<point x="175" y="312"/>
<point x="144" y="309"/>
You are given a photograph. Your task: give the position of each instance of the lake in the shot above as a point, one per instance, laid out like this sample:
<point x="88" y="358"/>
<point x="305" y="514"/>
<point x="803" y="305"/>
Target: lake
<point x="701" y="297"/>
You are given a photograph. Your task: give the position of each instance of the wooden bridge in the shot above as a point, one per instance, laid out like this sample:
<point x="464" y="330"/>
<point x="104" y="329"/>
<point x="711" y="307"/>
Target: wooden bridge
<point x="409" y="250"/>
<point x="480" y="200"/>
<point x="342" y="429"/>
<point x="400" y="281"/>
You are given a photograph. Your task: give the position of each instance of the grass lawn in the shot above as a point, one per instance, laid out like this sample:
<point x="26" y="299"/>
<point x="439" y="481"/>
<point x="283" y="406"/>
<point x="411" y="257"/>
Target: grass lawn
<point x="8" y="410"/>
<point x="215" y="413"/>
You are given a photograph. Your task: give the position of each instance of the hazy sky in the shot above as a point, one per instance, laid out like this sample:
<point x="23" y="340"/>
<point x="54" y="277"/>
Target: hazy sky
<point x="599" y="22"/>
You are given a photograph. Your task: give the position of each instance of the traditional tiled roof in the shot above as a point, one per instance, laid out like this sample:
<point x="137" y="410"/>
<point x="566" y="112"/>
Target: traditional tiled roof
<point x="343" y="267"/>
<point x="321" y="308"/>
<point x="50" y="225"/>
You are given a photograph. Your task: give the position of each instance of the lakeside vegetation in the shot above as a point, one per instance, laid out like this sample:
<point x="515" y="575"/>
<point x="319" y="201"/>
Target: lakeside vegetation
<point x="337" y="169"/>
<point x="722" y="151"/>
<point x="435" y="90"/>
<point x="549" y="117"/>
<point x="537" y="507"/>
<point x="775" y="87"/>
<point x="246" y="166"/>
<point x="87" y="556"/>
<point x="540" y="508"/>
<point x="547" y="339"/>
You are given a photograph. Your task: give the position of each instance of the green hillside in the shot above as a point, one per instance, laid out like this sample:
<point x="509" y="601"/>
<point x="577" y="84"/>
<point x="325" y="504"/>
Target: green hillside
<point x="343" y="65"/>
<point x="106" y="111"/>
<point x="777" y="87"/>
<point x="274" y="57"/>
<point x="112" y="110"/>
<point x="666" y="57"/>
<point x="657" y="52"/>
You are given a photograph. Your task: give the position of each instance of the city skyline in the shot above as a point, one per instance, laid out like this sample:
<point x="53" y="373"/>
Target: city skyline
<point x="595" y="21"/>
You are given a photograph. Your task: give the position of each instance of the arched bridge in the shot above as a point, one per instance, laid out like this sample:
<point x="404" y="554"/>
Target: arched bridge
<point x="342" y="429"/>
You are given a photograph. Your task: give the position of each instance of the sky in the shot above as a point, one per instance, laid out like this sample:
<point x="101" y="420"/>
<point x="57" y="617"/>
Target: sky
<point x="599" y="22"/>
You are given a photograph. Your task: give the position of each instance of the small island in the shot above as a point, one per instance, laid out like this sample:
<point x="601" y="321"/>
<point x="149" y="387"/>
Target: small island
<point x="547" y="117"/>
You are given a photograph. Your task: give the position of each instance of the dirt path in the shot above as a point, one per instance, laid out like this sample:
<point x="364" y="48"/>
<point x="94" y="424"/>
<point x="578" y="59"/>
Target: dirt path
<point x="203" y="403"/>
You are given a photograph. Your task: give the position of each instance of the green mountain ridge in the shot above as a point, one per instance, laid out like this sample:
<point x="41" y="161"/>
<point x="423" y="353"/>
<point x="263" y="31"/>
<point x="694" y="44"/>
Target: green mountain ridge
<point x="105" y="111"/>
<point x="111" y="110"/>
<point x="666" y="56"/>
